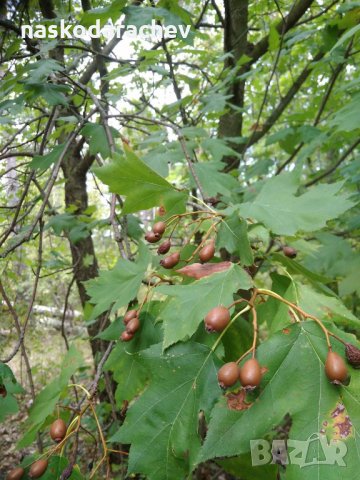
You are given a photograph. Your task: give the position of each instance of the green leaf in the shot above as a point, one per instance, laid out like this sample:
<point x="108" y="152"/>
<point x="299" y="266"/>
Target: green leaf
<point x="292" y="266"/>
<point x="139" y="15"/>
<point x="192" y="302"/>
<point x="277" y="207"/>
<point x="130" y="375"/>
<point x="174" y="7"/>
<point x="276" y="313"/>
<point x="43" y="162"/>
<point x="98" y="140"/>
<point x="117" y="287"/>
<point x="41" y="69"/>
<point x="162" y="426"/>
<point x="52" y="93"/>
<point x="233" y="236"/>
<point x="134" y="229"/>
<point x="274" y="38"/>
<point x="213" y="180"/>
<point x="325" y="307"/>
<point x="350" y="33"/>
<point x="218" y="148"/>
<point x="75" y="228"/>
<point x="8" y="404"/>
<point x="104" y="14"/>
<point x="128" y="175"/>
<point x="47" y="399"/>
<point x="214" y="102"/>
<point x="295" y="384"/>
<point x="347" y="119"/>
<point x="241" y="467"/>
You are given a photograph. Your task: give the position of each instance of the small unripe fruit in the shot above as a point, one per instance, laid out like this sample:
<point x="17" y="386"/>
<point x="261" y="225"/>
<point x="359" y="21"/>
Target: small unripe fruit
<point x="129" y="315"/>
<point x="250" y="374"/>
<point x="207" y="252"/>
<point x="228" y="374"/>
<point x="335" y="368"/>
<point x="58" y="430"/>
<point x="170" y="261"/>
<point x="15" y="474"/>
<point x="164" y="247"/>
<point x="353" y="355"/>
<point x="126" y="336"/>
<point x="38" y="468"/>
<point x="133" y="326"/>
<point x="159" y="228"/>
<point x="217" y="319"/>
<point x="152" y="237"/>
<point x="289" y="251"/>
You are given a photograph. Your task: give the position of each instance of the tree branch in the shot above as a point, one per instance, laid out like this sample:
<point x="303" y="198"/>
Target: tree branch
<point x="284" y="25"/>
<point x="332" y="169"/>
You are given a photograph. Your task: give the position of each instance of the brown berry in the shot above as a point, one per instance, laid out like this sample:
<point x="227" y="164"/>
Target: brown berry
<point x="161" y="211"/>
<point x="159" y="228"/>
<point x="170" y="261"/>
<point x="126" y="336"/>
<point x="217" y="319"/>
<point x="3" y="391"/>
<point x="164" y="247"/>
<point x="250" y="374"/>
<point x="38" y="468"/>
<point x="212" y="201"/>
<point x="353" y="355"/>
<point x="228" y="374"/>
<point x="129" y="315"/>
<point x="133" y="326"/>
<point x="335" y="368"/>
<point x="15" y="474"/>
<point x="289" y="251"/>
<point x="207" y="252"/>
<point x="152" y="237"/>
<point x="58" y="430"/>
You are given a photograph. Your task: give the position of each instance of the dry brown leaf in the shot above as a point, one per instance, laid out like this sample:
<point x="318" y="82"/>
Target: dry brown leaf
<point x="200" y="270"/>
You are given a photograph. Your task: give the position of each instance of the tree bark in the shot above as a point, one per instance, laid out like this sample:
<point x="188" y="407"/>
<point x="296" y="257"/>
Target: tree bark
<point x="235" y="43"/>
<point x="76" y="198"/>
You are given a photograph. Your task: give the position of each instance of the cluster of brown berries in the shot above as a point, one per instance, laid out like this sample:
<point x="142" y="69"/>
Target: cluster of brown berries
<point x="249" y="374"/>
<point x="156" y="233"/>
<point x="132" y="325"/>
<point x="206" y="253"/>
<point x="57" y="433"/>
<point x="155" y="236"/>
<point x="216" y="320"/>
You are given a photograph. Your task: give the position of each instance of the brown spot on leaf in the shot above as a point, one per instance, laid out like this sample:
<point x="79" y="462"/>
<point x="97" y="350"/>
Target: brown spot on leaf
<point x="236" y="401"/>
<point x="199" y="270"/>
<point x="286" y="331"/>
<point x="339" y="425"/>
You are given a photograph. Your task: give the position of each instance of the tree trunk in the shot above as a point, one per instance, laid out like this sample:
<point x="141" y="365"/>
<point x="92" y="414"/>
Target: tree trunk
<point x="235" y="42"/>
<point x="76" y="196"/>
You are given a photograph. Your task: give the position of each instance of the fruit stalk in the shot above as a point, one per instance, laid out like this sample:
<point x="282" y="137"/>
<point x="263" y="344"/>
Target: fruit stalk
<point x="263" y="291"/>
